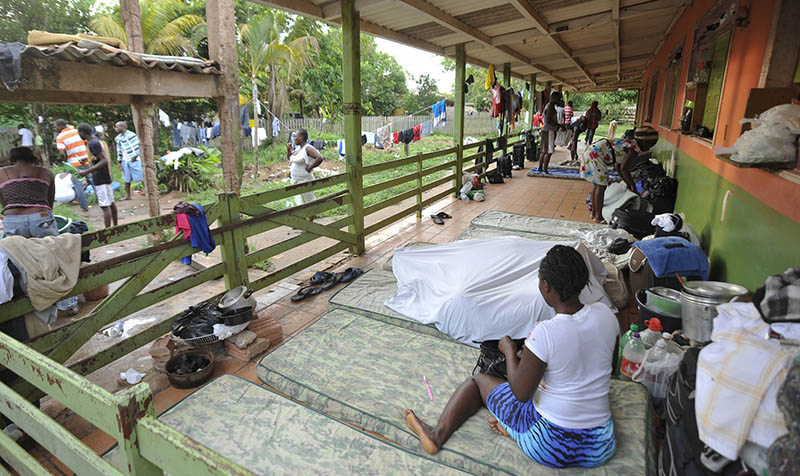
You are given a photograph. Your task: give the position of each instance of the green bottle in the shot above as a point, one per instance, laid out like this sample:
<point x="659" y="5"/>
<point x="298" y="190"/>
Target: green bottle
<point x="624" y="338"/>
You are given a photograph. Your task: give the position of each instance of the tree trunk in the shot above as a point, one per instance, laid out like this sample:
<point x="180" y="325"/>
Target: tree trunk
<point x="272" y="95"/>
<point x="254" y="133"/>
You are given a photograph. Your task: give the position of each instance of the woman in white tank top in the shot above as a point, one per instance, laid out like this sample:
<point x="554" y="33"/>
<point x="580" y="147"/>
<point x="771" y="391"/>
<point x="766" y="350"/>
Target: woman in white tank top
<point x="302" y="161"/>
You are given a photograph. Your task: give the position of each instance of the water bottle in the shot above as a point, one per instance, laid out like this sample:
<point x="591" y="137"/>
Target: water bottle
<point x="623" y="340"/>
<point x="658" y="352"/>
<point x="652" y="334"/>
<point x="632" y="356"/>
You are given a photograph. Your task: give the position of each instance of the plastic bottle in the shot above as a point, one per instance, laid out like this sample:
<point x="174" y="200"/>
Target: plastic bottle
<point x="623" y="340"/>
<point x="652" y="334"/>
<point x="672" y="346"/>
<point x="632" y="355"/>
<point x="659" y="352"/>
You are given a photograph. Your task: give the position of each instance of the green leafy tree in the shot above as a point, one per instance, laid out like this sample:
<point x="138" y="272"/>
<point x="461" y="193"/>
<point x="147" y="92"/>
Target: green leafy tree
<point x="426" y="94"/>
<point x="17" y="18"/>
<point x="264" y="49"/>
<point x="168" y="27"/>
<point x="614" y="101"/>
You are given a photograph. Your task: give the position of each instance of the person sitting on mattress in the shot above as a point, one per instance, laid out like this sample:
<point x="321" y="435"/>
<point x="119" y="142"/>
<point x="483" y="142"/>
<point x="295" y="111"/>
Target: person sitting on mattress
<point x="566" y="361"/>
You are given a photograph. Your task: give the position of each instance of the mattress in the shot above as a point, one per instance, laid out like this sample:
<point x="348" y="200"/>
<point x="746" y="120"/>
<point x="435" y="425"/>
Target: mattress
<point x="367" y="372"/>
<point x="548" y="228"/>
<point x="267" y="433"/>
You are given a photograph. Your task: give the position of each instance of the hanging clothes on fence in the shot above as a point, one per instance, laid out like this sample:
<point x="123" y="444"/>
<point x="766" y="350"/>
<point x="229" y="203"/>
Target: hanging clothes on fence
<point x="407" y="136"/>
<point x="439" y="113"/>
<point x="417" y="130"/>
<point x="426" y="129"/>
<point x="395" y="137"/>
<point x="497" y="100"/>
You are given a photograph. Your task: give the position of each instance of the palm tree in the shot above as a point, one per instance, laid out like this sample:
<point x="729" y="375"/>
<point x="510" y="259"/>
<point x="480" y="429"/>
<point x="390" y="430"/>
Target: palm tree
<point x="167" y="27"/>
<point x="265" y="50"/>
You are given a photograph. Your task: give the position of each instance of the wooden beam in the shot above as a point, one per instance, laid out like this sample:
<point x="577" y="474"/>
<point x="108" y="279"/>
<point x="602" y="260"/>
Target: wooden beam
<point x="615" y="20"/>
<point x="783" y="49"/>
<point x="458" y="125"/>
<point x="445" y="19"/>
<point x="300" y="7"/>
<point x="666" y="33"/>
<point x="528" y="12"/>
<point x="531" y="100"/>
<point x="351" y="96"/>
<point x="333" y="11"/>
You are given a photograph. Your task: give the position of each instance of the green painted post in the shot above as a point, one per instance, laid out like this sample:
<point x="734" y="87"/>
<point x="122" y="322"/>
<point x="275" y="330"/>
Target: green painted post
<point x="351" y="95"/>
<point x="506" y="84"/>
<point x="532" y="101"/>
<point x="458" y="124"/>
<point x="233" y="254"/>
<point x="134" y="404"/>
<point x="419" y="185"/>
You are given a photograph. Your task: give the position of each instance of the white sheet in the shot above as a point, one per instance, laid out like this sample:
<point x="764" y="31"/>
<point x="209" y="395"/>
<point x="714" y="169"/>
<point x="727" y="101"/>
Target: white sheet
<point x="476" y="290"/>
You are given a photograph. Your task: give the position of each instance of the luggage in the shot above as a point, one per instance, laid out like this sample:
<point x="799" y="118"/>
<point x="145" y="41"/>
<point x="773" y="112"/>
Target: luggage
<point x="504" y="165"/>
<point x="494" y="177"/>
<point x="518" y="154"/>
<point x="530" y="147"/>
<point x="635" y="222"/>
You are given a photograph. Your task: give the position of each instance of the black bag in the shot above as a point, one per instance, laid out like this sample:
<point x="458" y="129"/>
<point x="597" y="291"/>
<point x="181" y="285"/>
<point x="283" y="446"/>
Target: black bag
<point x="492" y="361"/>
<point x="504" y="165"/>
<point x="635" y="222"/>
<point x="530" y="147"/>
<point x="494" y="177"/>
<point x="519" y="156"/>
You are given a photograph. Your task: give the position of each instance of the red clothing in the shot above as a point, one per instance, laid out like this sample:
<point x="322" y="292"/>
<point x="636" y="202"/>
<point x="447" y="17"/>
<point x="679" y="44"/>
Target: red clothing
<point x="567" y="114"/>
<point x="593" y="116"/>
<point x="497" y="100"/>
<point x="538" y="120"/>
<point x="395" y="137"/>
<point x="182" y="225"/>
<point x="416" y="133"/>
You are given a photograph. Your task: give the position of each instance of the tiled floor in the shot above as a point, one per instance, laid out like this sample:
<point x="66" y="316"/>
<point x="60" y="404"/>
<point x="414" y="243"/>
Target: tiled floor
<point x="545" y="197"/>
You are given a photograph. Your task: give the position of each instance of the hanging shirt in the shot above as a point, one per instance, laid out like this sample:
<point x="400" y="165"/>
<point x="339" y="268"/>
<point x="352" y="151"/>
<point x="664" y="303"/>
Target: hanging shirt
<point x="491" y="79"/>
<point x="395" y="137"/>
<point x="426" y="129"/>
<point x="276" y="127"/>
<point x="439" y="113"/>
<point x="416" y="130"/>
<point x="497" y="100"/>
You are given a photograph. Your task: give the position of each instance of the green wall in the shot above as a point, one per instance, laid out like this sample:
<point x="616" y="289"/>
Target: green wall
<point x="752" y="242"/>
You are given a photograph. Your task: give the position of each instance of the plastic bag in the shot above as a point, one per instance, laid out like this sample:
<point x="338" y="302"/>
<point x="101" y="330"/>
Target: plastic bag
<point x="787" y="115"/>
<point x="655" y="375"/>
<point x="763" y="144"/>
<point x="562" y="138"/>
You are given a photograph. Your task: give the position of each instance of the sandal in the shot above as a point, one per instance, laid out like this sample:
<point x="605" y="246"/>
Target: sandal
<point x="332" y="281"/>
<point x="320" y="277"/>
<point x="442" y="215"/>
<point x="437" y="219"/>
<point x="351" y="274"/>
<point x="305" y="292"/>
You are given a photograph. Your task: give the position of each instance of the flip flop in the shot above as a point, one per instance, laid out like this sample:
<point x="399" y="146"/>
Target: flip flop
<point x="305" y="292"/>
<point x="437" y="219"/>
<point x="320" y="277"/>
<point x="351" y="274"/>
<point x="332" y="281"/>
<point x="442" y="215"/>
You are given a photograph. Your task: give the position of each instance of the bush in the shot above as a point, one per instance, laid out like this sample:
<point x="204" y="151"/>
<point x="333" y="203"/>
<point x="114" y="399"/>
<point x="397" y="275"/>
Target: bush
<point x="192" y="173"/>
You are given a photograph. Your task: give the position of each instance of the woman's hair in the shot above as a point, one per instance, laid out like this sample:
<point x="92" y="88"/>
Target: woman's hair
<point x="564" y="269"/>
<point x="646" y="137"/>
<point x="302" y="132"/>
<point x="22" y="154"/>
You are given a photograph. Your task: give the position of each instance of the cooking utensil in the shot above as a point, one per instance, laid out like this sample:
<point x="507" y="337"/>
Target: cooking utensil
<point x="699" y="301"/>
<point x="237" y="298"/>
<point x="194" y="379"/>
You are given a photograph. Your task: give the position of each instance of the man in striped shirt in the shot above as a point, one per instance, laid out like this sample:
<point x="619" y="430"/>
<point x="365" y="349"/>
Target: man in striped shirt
<point x="73" y="150"/>
<point x="568" y="114"/>
<point x="128" y="156"/>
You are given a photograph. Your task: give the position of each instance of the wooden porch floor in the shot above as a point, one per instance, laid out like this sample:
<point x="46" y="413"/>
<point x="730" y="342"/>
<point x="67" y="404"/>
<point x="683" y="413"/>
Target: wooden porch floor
<point x="544" y="197"/>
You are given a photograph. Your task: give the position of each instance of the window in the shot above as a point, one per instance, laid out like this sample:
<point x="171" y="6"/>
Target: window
<point x="651" y="103"/>
<point x="712" y="39"/>
<point x="670" y="87"/>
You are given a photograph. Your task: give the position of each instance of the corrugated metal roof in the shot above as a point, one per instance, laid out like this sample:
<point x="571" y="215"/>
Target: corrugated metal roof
<point x="121" y="58"/>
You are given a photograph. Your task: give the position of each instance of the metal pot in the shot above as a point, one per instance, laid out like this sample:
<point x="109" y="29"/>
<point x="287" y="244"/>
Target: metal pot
<point x="237" y="298"/>
<point x="699" y="301"/>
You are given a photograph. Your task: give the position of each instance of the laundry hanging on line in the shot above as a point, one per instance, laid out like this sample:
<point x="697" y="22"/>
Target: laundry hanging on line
<point x="439" y="113"/>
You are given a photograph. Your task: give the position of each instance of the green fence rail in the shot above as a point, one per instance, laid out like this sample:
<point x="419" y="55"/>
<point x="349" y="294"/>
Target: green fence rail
<point x="146" y="445"/>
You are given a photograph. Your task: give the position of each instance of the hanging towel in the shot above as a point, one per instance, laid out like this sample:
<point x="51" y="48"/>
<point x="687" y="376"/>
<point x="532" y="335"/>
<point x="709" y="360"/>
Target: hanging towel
<point x="340" y="145"/>
<point x="426" y="129"/>
<point x="182" y="225"/>
<point x="201" y="234"/>
<point x="439" y="113"/>
<point x="490" y="78"/>
<point x="416" y="130"/>
<point x="395" y="137"/>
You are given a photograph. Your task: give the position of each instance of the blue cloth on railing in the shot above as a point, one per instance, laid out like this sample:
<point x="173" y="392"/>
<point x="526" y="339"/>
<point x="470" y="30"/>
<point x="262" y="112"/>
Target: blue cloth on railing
<point x="201" y="234"/>
<point x="671" y="254"/>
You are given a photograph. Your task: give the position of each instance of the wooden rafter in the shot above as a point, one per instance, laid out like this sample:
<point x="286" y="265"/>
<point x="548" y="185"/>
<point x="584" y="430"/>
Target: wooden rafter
<point x="528" y="12"/>
<point x="445" y="19"/>
<point x="615" y="20"/>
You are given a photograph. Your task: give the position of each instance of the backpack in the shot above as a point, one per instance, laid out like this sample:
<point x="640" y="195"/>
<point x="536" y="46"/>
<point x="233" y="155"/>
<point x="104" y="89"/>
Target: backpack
<point x="635" y="222"/>
<point x="504" y="165"/>
<point x="494" y="177"/>
<point x="530" y="147"/>
<point x="518" y="155"/>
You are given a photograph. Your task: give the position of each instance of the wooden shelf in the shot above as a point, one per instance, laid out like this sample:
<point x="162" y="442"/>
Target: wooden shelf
<point x="758" y="165"/>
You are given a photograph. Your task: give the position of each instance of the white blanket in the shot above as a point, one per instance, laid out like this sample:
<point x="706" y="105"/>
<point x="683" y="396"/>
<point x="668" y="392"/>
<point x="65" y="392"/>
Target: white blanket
<point x="476" y="290"/>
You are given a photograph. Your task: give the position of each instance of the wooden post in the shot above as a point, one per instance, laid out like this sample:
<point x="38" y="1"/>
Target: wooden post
<point x="458" y="124"/>
<point x="532" y="101"/>
<point x="506" y="84"/>
<point x="561" y="88"/>
<point x="419" y="186"/>
<point x="351" y="95"/>
<point x="222" y="48"/>
<point x="548" y="90"/>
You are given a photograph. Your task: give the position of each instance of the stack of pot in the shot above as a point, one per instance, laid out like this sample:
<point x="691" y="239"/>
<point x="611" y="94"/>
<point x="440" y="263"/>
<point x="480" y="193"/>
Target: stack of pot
<point x="699" y="301"/>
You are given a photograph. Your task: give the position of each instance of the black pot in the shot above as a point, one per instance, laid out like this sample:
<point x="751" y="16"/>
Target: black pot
<point x="239" y="316"/>
<point x="194" y="379"/>
<point x="668" y="322"/>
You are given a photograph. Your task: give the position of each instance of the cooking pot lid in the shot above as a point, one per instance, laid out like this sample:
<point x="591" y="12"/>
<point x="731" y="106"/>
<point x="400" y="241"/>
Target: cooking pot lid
<point x="233" y="296"/>
<point x="714" y="289"/>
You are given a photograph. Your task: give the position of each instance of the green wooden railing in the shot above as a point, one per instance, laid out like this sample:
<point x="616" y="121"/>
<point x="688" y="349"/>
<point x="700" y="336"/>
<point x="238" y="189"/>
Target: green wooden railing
<point x="146" y="445"/>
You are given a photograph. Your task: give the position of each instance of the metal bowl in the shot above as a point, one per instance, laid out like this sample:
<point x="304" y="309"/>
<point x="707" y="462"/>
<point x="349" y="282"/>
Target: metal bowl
<point x="194" y="379"/>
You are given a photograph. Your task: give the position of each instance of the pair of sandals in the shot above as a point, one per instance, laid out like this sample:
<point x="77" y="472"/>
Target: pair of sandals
<point x="439" y="218"/>
<point x="323" y="280"/>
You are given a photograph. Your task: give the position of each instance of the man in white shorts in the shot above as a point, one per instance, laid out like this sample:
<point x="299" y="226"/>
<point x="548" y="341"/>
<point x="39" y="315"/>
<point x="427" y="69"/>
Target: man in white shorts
<point x="101" y="174"/>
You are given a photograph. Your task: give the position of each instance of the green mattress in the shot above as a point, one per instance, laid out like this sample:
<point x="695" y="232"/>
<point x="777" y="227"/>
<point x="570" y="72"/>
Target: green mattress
<point x="366" y="295"/>
<point x="367" y="372"/>
<point x="267" y="433"/>
<point x="545" y="228"/>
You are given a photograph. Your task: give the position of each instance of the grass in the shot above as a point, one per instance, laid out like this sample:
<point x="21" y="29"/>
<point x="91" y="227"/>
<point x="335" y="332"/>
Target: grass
<point x="264" y="265"/>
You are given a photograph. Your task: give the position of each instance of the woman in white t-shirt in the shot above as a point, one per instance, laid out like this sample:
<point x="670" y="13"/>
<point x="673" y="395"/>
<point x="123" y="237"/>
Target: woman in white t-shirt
<point x="303" y="159"/>
<point x="567" y="360"/>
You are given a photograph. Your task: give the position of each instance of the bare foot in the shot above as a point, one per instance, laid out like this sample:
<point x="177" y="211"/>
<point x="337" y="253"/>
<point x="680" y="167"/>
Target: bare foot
<point x="423" y="431"/>
<point x="497" y="427"/>
<point x="599" y="221"/>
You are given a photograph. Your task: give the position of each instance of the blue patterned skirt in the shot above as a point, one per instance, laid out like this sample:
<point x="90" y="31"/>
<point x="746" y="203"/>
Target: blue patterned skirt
<point x="545" y="442"/>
